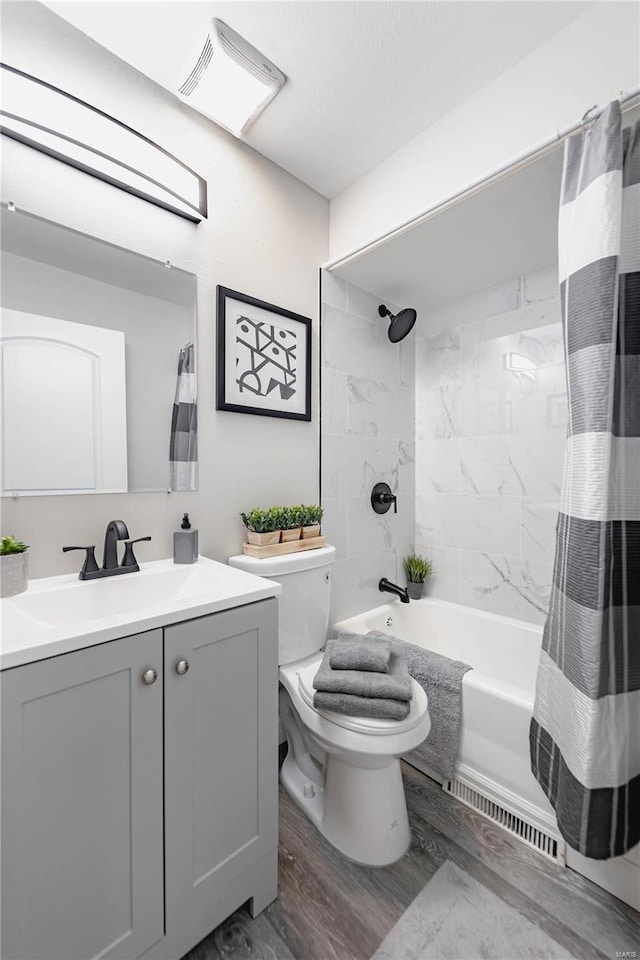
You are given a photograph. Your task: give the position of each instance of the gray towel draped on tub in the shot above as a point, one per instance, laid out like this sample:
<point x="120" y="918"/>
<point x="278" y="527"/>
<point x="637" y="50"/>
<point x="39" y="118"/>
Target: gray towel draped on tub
<point x="441" y="679"/>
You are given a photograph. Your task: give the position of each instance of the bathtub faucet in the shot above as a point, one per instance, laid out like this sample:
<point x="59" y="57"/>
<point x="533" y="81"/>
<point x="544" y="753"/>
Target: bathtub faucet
<point x="385" y="586"/>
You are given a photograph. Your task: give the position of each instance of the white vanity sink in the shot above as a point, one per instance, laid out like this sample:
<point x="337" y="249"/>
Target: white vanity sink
<point x="60" y="614"/>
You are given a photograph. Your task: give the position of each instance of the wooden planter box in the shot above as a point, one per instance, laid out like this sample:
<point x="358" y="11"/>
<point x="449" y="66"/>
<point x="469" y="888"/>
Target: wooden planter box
<point x="293" y="534"/>
<point x="313" y="530"/>
<point x="263" y="539"/>
<point x="279" y="549"/>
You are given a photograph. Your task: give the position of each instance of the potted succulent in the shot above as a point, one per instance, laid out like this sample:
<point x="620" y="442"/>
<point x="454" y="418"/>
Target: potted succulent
<point x="416" y="569"/>
<point x="292" y="520"/>
<point x="311" y="520"/>
<point x="263" y="526"/>
<point x="13" y="566"/>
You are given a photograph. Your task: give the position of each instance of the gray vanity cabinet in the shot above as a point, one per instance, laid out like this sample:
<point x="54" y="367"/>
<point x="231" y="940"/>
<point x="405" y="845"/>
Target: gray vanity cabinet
<point x="221" y="688"/>
<point x="139" y="790"/>
<point x="82" y="803"/>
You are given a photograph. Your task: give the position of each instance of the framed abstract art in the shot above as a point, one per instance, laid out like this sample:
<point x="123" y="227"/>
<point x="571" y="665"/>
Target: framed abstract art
<point x="264" y="358"/>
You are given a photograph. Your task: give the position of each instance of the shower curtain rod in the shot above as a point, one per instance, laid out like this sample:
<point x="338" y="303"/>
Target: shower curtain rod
<point x="520" y="160"/>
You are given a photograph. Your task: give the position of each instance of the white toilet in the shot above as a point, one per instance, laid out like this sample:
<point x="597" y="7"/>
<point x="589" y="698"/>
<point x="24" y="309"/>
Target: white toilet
<point x="343" y="771"/>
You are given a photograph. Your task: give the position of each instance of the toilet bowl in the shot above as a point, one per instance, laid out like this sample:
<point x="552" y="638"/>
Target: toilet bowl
<point x="357" y="799"/>
<point x="342" y="771"/>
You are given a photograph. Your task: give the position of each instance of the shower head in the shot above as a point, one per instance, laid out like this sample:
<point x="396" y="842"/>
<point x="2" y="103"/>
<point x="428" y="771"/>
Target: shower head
<point x="401" y="324"/>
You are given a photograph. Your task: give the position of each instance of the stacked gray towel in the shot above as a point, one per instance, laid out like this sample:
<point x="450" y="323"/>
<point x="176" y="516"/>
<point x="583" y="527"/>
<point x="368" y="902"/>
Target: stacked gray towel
<point x="441" y="679"/>
<point x="352" y="651"/>
<point x="358" y="689"/>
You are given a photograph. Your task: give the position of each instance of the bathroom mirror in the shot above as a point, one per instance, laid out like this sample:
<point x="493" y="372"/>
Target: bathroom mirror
<point x="90" y="342"/>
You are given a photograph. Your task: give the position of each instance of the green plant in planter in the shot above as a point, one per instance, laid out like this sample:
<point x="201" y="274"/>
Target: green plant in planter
<point x="278" y="516"/>
<point x="417" y="568"/>
<point x="293" y="517"/>
<point x="9" y="545"/>
<point x="262" y="521"/>
<point x="13" y="566"/>
<point x="312" y="514"/>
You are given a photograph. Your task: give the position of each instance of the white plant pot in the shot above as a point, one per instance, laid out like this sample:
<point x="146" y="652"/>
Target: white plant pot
<point x="13" y="574"/>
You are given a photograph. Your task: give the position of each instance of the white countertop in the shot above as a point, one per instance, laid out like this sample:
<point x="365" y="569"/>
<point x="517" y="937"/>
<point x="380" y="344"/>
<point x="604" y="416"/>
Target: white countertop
<point x="61" y="614"/>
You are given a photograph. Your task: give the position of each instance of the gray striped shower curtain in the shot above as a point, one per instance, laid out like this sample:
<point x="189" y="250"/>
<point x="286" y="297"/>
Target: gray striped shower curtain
<point x="585" y="731"/>
<point x="183" y="445"/>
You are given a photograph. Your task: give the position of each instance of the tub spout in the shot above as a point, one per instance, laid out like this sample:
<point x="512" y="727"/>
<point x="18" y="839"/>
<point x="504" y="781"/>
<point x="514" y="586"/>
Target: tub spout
<point x="385" y="586"/>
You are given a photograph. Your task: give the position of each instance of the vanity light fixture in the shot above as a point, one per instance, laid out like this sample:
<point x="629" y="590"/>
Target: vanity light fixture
<point x="61" y="125"/>
<point x="228" y="80"/>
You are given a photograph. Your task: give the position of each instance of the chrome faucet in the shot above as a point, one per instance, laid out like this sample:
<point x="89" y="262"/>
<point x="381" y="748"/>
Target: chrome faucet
<point x="385" y="586"/>
<point x="116" y="530"/>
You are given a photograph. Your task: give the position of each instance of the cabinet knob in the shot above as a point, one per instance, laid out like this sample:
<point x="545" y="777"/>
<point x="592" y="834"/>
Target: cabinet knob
<point x="149" y="676"/>
<point x="182" y="667"/>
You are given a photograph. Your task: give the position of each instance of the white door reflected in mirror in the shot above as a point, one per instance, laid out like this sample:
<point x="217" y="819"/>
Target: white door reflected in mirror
<point x="63" y="424"/>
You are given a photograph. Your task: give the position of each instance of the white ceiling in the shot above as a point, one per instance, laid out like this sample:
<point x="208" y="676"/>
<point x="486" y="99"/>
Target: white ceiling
<point x="364" y="78"/>
<point x="505" y="230"/>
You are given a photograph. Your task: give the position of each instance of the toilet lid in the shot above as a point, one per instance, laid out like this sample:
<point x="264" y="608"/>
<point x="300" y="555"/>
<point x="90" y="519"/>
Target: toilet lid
<point x="370" y="725"/>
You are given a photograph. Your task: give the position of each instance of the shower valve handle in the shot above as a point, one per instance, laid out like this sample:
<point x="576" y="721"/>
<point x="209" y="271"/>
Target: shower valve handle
<point x="382" y="498"/>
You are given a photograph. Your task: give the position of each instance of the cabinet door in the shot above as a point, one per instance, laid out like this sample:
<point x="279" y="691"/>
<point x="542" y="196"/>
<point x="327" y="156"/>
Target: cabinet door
<point x="221" y="766"/>
<point x="82" y="804"/>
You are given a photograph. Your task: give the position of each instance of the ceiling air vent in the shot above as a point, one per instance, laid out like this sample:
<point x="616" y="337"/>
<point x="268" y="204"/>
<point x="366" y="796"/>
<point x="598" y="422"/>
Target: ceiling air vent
<point x="229" y="80"/>
<point x="202" y="63"/>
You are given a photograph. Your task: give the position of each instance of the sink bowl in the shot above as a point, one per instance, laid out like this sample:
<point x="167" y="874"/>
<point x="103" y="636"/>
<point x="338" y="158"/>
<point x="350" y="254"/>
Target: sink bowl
<point x="79" y="602"/>
<point x="58" y="614"/>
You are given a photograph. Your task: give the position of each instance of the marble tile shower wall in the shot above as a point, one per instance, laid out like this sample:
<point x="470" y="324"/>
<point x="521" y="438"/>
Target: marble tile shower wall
<point x="368" y="435"/>
<point x="491" y="415"/>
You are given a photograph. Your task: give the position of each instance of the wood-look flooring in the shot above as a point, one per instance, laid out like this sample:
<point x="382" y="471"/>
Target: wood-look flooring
<point x="331" y="909"/>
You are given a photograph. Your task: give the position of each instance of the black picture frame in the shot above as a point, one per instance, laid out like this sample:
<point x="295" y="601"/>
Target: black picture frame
<point x="227" y="394"/>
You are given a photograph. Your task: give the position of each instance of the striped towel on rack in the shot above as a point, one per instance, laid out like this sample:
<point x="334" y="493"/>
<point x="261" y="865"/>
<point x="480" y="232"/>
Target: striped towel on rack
<point x="183" y="447"/>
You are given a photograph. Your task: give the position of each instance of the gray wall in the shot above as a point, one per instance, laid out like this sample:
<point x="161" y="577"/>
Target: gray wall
<point x="489" y="445"/>
<point x="266" y="235"/>
<point x="367" y="437"/>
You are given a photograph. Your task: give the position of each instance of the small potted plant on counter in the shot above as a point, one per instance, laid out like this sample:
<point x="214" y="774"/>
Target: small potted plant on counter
<point x="311" y="520"/>
<point x="292" y="519"/>
<point x="263" y="526"/>
<point x="13" y="566"/>
<point x="416" y="569"/>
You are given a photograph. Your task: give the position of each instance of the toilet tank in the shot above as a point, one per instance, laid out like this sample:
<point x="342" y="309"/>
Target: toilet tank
<point x="303" y="615"/>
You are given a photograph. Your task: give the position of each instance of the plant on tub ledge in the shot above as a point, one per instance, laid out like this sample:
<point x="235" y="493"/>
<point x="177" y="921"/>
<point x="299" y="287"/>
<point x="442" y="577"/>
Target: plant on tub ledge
<point x="13" y="566"/>
<point x="416" y="569"/>
<point x="263" y="526"/>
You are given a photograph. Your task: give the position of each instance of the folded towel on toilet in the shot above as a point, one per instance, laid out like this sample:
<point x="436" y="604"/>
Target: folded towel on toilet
<point x="394" y="685"/>
<point x="352" y="651"/>
<point x="377" y="707"/>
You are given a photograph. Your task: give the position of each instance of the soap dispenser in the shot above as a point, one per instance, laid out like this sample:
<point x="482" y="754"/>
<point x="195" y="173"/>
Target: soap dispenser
<point x="185" y="543"/>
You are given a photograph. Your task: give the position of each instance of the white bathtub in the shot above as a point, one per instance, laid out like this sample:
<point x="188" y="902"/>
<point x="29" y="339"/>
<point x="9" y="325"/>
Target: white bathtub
<point x="497" y="702"/>
<point x="497" y="695"/>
